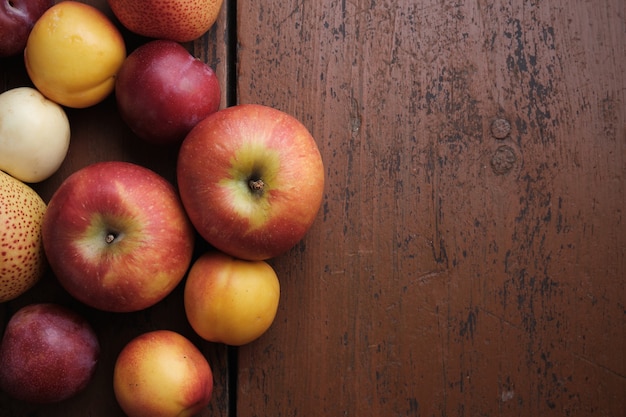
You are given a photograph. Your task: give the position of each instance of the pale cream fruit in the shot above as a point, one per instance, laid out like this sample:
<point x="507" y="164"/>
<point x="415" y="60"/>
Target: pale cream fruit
<point x="34" y="135"/>
<point x="22" y="259"/>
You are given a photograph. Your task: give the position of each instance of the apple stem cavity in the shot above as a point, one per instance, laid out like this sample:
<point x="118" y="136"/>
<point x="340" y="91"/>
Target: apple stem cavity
<point x="256" y="186"/>
<point x="110" y="237"/>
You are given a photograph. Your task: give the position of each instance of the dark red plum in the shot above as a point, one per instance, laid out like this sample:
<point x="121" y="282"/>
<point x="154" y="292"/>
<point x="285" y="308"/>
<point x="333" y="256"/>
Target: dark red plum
<point x="48" y="353"/>
<point x="17" y="18"/>
<point x="163" y="91"/>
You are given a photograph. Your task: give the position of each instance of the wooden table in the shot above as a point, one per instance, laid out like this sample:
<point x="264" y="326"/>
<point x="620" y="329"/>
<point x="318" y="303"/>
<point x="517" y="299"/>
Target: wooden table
<point x="470" y="255"/>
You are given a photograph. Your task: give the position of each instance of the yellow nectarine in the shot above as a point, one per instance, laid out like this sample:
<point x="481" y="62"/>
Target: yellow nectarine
<point x="162" y="374"/>
<point x="73" y="54"/>
<point x="229" y="300"/>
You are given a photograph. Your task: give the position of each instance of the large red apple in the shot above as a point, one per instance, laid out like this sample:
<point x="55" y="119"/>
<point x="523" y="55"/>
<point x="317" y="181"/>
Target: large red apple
<point x="17" y="18"/>
<point x="162" y="91"/>
<point x="251" y="178"/>
<point x="177" y="20"/>
<point x="48" y="354"/>
<point x="117" y="237"/>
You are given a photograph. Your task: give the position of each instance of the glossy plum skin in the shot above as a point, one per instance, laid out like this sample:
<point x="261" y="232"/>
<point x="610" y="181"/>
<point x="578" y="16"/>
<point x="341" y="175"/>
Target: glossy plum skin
<point x="162" y="91"/>
<point x="17" y="18"/>
<point x="48" y="354"/>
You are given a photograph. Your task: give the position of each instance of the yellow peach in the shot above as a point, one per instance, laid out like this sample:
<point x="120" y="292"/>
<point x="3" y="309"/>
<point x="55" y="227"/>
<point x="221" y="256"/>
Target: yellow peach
<point x="162" y="374"/>
<point x="230" y="300"/>
<point x="73" y="54"/>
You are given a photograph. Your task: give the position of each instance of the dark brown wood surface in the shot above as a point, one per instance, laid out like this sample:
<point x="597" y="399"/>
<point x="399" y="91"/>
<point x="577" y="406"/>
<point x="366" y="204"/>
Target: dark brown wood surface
<point x="469" y="258"/>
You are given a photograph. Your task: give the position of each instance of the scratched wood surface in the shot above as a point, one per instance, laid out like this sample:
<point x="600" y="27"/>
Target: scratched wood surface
<point x="469" y="257"/>
<point x="451" y="272"/>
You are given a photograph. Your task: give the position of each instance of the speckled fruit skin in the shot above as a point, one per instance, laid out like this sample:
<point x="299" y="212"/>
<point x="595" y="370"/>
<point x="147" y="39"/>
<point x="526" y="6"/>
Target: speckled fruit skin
<point x="48" y="353"/>
<point x="177" y="20"/>
<point x="22" y="259"/>
<point x="162" y="374"/>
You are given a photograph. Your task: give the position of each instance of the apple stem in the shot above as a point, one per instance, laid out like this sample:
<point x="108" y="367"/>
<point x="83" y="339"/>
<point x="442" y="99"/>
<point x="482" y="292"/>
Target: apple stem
<point x="110" y="237"/>
<point x="256" y="185"/>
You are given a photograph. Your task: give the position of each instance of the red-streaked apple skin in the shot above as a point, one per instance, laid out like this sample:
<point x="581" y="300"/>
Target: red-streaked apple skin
<point x="153" y="238"/>
<point x="48" y="354"/>
<point x="17" y="18"/>
<point x="229" y="147"/>
<point x="162" y="91"/>
<point x="162" y="374"/>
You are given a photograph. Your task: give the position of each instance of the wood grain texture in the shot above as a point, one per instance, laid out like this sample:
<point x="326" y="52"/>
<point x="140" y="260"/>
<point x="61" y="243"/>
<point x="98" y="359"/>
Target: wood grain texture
<point x="450" y="272"/>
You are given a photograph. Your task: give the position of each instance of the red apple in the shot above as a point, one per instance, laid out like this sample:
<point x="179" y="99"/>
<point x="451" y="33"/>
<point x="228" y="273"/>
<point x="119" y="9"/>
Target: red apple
<point x="177" y="20"/>
<point x="17" y="18"/>
<point x="117" y="237"/>
<point x="48" y="354"/>
<point x="162" y="374"/>
<point x="251" y="179"/>
<point x="162" y="91"/>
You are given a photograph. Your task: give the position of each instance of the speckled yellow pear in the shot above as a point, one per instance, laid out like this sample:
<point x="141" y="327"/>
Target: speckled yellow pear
<point x="22" y="259"/>
<point x="34" y="135"/>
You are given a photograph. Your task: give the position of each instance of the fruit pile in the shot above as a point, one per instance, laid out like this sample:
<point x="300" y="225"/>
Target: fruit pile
<point x="117" y="236"/>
